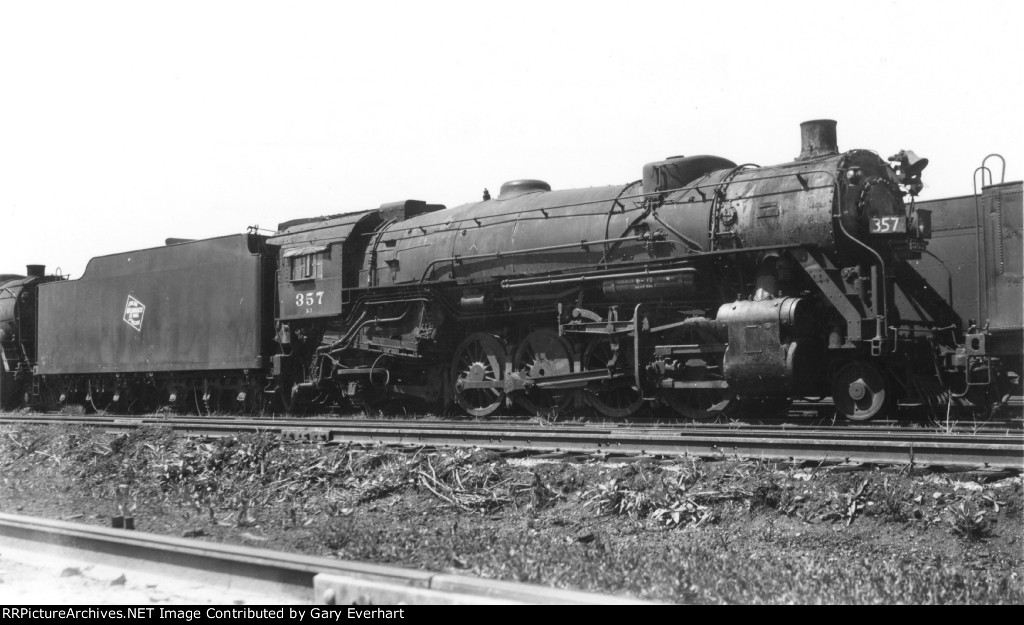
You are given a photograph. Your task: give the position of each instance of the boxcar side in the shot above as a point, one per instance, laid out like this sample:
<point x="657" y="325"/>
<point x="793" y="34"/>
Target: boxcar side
<point x="975" y="262"/>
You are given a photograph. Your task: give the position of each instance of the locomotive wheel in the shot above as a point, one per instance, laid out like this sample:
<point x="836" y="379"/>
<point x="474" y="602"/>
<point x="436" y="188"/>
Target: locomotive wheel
<point x="50" y="398"/>
<point x="617" y="399"/>
<point x="479" y="358"/>
<point x="859" y="391"/>
<point x="543" y="353"/>
<point x="697" y="404"/>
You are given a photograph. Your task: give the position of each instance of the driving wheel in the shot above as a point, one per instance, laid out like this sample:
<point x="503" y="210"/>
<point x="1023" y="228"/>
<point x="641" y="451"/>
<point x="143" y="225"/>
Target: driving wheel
<point x="543" y="354"/>
<point x="480" y="359"/>
<point x="617" y="398"/>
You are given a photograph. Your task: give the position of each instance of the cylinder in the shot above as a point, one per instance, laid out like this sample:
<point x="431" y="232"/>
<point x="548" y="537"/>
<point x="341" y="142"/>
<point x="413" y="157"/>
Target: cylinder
<point x="817" y="138"/>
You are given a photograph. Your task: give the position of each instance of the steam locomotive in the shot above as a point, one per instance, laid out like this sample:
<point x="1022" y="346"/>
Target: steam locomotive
<point x="704" y="286"/>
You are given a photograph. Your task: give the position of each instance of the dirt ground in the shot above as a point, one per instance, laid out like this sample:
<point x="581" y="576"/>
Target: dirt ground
<point x="678" y="530"/>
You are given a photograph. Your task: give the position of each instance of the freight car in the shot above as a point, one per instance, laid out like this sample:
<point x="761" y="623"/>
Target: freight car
<point x="973" y="274"/>
<point x="703" y="286"/>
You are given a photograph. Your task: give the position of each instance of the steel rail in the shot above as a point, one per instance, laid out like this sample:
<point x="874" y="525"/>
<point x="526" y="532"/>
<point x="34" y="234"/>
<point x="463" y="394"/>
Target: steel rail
<point x="816" y="424"/>
<point x="1000" y="433"/>
<point x="277" y="574"/>
<point x="879" y="446"/>
<point x="776" y="445"/>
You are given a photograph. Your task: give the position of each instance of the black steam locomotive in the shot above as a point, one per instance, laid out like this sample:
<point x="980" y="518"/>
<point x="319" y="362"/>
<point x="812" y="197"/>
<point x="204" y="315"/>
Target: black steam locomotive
<point x="704" y="286"/>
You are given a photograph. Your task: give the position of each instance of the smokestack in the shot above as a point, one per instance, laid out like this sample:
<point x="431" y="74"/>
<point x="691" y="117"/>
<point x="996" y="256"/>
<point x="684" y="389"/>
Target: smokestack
<point x="817" y="138"/>
<point x="35" y="271"/>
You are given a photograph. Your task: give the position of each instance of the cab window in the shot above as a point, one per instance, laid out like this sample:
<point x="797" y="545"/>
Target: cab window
<point x="308" y="266"/>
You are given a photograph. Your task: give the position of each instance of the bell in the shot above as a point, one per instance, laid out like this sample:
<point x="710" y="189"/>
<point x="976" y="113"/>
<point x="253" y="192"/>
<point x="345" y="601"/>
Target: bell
<point x="911" y="163"/>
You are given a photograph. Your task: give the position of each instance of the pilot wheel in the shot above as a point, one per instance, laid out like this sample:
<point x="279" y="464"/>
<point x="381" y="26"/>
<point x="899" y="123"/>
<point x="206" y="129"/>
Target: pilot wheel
<point x="859" y="391"/>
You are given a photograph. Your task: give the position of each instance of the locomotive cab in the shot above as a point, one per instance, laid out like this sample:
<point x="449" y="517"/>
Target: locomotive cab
<point x="320" y="265"/>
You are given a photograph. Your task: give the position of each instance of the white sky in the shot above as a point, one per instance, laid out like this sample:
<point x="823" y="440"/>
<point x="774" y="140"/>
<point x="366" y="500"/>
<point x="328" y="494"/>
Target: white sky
<point x="122" y="124"/>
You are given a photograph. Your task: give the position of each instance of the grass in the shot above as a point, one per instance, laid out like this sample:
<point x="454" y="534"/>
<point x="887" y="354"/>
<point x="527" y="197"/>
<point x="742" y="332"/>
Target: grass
<point x="684" y="531"/>
<point x="680" y="572"/>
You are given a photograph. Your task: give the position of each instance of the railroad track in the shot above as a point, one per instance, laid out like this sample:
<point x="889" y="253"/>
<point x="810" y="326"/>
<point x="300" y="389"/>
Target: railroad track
<point x="784" y="424"/>
<point x="997" y="450"/>
<point x="274" y="575"/>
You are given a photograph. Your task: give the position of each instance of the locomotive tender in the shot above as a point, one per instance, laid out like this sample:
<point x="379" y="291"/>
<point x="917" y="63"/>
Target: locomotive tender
<point x="702" y="286"/>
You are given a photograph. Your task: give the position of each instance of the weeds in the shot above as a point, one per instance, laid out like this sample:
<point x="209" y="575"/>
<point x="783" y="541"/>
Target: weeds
<point x="667" y="501"/>
<point x="892" y="503"/>
<point x="480" y="494"/>
<point x="847" y="506"/>
<point x="614" y="498"/>
<point x="968" y="522"/>
<point x="477" y="513"/>
<point x="767" y="494"/>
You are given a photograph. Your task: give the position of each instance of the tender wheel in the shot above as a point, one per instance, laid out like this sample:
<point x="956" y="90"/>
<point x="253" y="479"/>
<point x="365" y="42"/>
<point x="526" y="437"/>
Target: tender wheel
<point x="617" y="399"/>
<point x="859" y="391"/>
<point x="699" y="404"/>
<point x="50" y="398"/>
<point x="542" y="354"/>
<point x="479" y="358"/>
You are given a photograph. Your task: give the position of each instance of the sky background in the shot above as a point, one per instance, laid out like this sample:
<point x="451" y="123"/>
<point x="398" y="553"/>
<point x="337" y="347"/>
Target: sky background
<point x="122" y="124"/>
